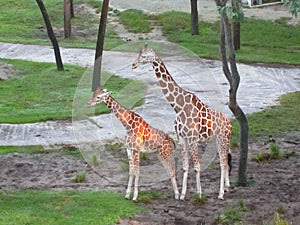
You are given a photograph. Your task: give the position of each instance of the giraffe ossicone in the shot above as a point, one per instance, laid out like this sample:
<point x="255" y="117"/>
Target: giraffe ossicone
<point x="140" y="137"/>
<point x="195" y="122"/>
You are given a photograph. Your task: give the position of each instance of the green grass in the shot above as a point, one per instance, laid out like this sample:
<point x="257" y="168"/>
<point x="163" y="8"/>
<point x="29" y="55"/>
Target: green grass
<point x="37" y="207"/>
<point x="22" y="22"/>
<point x="275" y="121"/>
<point x="261" y="41"/>
<point x="135" y="21"/>
<point x="38" y="149"/>
<point x="39" y="92"/>
<point x="21" y="149"/>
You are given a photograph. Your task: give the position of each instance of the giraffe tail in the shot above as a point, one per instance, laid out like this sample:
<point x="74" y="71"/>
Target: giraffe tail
<point x="229" y="158"/>
<point x="173" y="143"/>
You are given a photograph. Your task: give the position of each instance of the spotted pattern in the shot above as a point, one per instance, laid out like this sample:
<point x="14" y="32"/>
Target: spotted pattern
<point x="195" y="121"/>
<point x="140" y="137"/>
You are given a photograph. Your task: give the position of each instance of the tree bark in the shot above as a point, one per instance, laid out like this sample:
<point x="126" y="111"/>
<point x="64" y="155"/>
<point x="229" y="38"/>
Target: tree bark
<point x="67" y="18"/>
<point x="236" y="26"/>
<point x="194" y="18"/>
<point x="72" y="9"/>
<point x="236" y="35"/>
<point x="51" y="35"/>
<point x="233" y="77"/>
<point x="99" y="47"/>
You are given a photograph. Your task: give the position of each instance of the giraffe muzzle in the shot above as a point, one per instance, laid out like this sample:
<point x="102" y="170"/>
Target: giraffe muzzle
<point x="134" y="66"/>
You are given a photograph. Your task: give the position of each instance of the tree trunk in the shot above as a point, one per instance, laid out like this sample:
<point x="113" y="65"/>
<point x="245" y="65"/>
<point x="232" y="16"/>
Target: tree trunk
<point x="236" y="25"/>
<point x="236" y="36"/>
<point x="67" y="18"/>
<point x="72" y="9"/>
<point x="233" y="78"/>
<point x="194" y="18"/>
<point x="99" y="47"/>
<point x="51" y="35"/>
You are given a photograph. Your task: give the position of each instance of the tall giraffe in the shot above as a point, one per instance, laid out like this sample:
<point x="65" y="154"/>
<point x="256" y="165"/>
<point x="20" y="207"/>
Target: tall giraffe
<point x="140" y="137"/>
<point x="195" y="122"/>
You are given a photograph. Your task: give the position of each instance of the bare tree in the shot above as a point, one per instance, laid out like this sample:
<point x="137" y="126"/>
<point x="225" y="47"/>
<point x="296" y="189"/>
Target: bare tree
<point x="99" y="47"/>
<point x="194" y="18"/>
<point x="233" y="77"/>
<point x="67" y="18"/>
<point x="51" y="35"/>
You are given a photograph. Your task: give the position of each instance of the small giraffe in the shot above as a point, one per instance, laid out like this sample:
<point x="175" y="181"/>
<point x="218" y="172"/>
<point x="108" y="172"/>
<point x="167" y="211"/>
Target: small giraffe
<point x="140" y="137"/>
<point x="195" y="122"/>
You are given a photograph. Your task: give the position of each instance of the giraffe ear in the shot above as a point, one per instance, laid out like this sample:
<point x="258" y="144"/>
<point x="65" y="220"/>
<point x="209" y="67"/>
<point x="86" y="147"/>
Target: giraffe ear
<point x="106" y="93"/>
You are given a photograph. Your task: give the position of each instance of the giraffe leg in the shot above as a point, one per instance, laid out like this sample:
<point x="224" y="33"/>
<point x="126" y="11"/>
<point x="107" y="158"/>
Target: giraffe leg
<point x="224" y="179"/>
<point x="227" y="181"/>
<point x="171" y="171"/>
<point x="185" y="160"/>
<point x="223" y="155"/>
<point x="221" y="192"/>
<point x="196" y="161"/>
<point x="137" y="176"/>
<point x="131" y="174"/>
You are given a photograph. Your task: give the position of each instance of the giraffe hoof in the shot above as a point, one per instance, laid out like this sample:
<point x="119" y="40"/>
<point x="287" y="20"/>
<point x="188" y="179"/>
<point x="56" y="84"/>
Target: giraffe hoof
<point x="135" y="200"/>
<point x="182" y="198"/>
<point x="176" y="197"/>
<point x="221" y="197"/>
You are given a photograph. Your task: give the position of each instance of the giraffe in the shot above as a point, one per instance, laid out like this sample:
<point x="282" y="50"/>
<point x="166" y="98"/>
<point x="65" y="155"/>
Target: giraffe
<point x="195" y="122"/>
<point x="140" y="137"/>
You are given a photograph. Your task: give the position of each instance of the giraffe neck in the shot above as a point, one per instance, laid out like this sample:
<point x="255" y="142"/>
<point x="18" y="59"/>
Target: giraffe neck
<point x="175" y="94"/>
<point x="123" y="114"/>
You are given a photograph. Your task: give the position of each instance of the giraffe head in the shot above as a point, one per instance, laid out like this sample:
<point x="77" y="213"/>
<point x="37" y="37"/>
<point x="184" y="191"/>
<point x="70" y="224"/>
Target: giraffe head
<point x="99" y="96"/>
<point x="146" y="55"/>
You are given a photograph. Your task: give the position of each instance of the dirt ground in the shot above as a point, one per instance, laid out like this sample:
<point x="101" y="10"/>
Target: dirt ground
<point x="274" y="184"/>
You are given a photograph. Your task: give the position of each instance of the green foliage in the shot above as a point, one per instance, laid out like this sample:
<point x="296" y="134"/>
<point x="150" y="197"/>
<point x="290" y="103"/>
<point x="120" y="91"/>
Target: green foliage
<point x="135" y="21"/>
<point x="22" y="22"/>
<point x="144" y="156"/>
<point x="39" y="92"/>
<point x="95" y="161"/>
<point x="230" y="216"/>
<point x="293" y="6"/>
<point x="279" y="221"/>
<point x="280" y="209"/>
<point x="37" y="207"/>
<point x="199" y="200"/>
<point x="80" y="177"/>
<point x="233" y="12"/>
<point x="275" y="151"/>
<point x="261" y="156"/>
